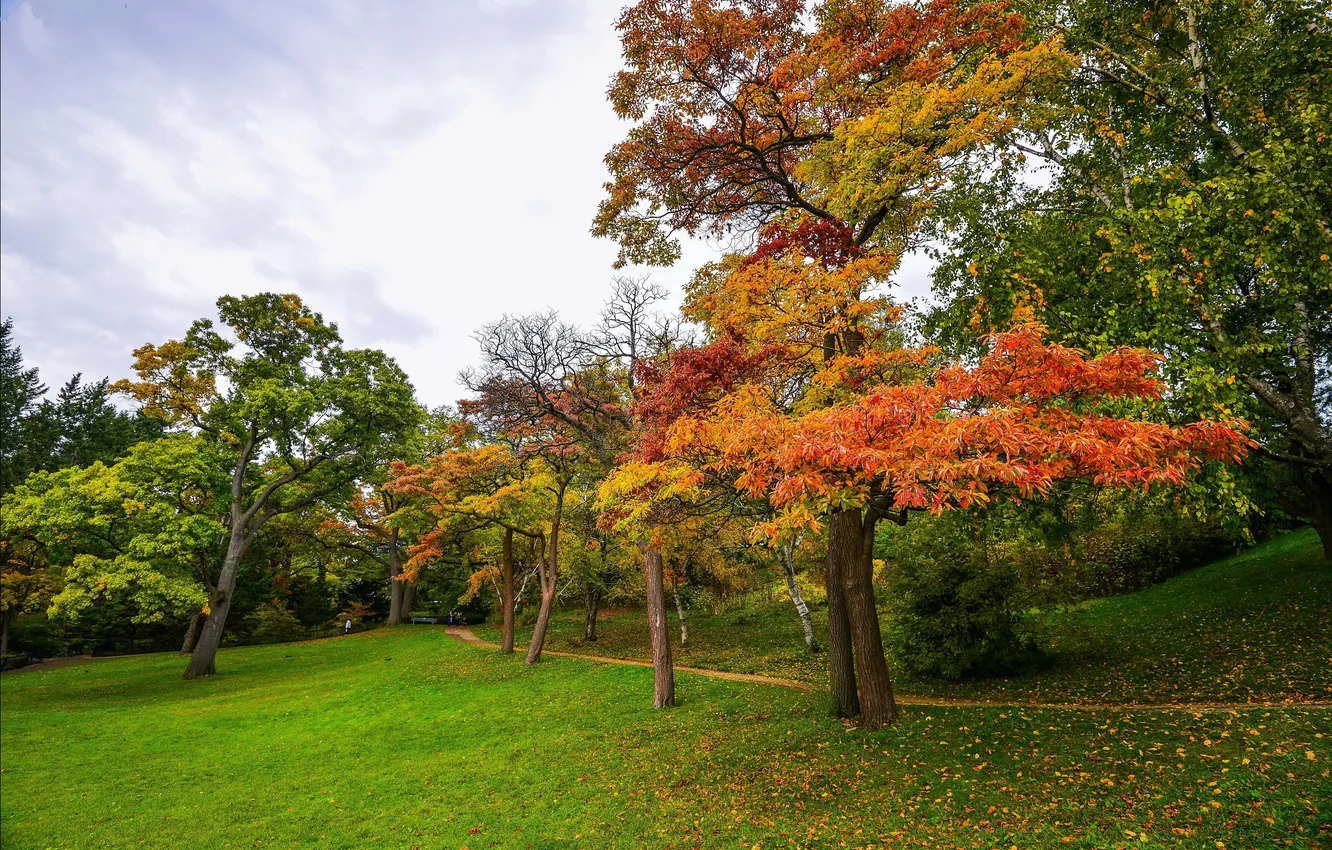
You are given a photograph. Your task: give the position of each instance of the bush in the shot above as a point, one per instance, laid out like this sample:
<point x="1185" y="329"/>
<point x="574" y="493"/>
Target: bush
<point x="274" y="622"/>
<point x="955" y="617"/>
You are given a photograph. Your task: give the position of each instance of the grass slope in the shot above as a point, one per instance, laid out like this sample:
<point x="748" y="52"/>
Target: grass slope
<point x="405" y="738"/>
<point x="1250" y="628"/>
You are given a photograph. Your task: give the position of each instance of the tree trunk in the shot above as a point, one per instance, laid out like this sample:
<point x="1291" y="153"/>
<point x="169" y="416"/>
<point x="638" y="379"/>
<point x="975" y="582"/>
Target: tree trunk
<point x="4" y="633"/>
<point x="192" y="634"/>
<point x="408" y="599"/>
<point x="549" y="575"/>
<point x="506" y="564"/>
<point x="663" y="672"/>
<point x="877" y="707"/>
<point x="806" y="622"/>
<point x="1318" y="489"/>
<point x="679" y="612"/>
<point x="591" y="601"/>
<point x="841" y="670"/>
<point x="397" y="588"/>
<point x="204" y="660"/>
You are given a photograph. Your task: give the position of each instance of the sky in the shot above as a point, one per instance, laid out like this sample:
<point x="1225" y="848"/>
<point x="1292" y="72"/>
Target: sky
<point x="412" y="170"/>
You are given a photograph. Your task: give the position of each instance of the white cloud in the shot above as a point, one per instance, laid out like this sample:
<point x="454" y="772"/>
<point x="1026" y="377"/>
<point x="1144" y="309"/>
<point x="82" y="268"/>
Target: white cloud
<point x="413" y="171"/>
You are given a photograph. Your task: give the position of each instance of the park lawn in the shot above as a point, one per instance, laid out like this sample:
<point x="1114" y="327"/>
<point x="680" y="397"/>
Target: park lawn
<point x="1253" y="627"/>
<point x="406" y="738"/>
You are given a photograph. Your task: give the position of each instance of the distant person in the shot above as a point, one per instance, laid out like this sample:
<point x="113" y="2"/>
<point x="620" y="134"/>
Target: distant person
<point x="346" y="627"/>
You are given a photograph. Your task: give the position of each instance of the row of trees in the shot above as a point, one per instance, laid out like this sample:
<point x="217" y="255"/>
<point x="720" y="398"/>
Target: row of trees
<point x="1142" y="313"/>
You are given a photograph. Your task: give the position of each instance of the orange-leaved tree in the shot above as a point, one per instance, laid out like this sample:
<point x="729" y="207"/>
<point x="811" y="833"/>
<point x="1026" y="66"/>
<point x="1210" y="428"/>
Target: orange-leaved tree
<point x="481" y="487"/>
<point x="826" y="128"/>
<point x="1027" y="415"/>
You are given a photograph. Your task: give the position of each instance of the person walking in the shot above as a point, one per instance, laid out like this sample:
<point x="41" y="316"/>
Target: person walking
<point x="346" y="628"/>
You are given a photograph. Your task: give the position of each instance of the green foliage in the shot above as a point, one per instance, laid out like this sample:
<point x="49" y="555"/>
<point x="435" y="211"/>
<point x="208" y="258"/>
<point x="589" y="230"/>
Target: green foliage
<point x="145" y="530"/>
<point x="20" y="390"/>
<point x="274" y="622"/>
<point x="1177" y="195"/>
<point x="956" y="613"/>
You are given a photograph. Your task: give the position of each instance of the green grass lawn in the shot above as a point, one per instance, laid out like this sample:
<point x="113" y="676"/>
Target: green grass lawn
<point x="405" y="738"/>
<point x="1255" y="627"/>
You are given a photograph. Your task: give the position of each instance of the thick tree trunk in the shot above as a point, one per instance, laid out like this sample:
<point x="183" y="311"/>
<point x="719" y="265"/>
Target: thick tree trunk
<point x="204" y="659"/>
<point x="549" y="576"/>
<point x="679" y="612"/>
<point x="192" y="633"/>
<point x="663" y="678"/>
<point x="806" y="622"/>
<point x="1319" y="491"/>
<point x="874" y="686"/>
<point x="591" y="602"/>
<point x="397" y="588"/>
<point x="842" y="535"/>
<point x="506" y="564"/>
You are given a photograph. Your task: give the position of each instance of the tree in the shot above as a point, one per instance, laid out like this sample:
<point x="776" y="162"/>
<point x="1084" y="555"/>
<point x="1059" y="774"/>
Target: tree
<point x="835" y="124"/>
<point x="81" y="426"/>
<point x="303" y="417"/>
<point x="144" y="533"/>
<point x="371" y="524"/>
<point x="20" y="391"/>
<point x="467" y="489"/>
<point x="1183" y="202"/>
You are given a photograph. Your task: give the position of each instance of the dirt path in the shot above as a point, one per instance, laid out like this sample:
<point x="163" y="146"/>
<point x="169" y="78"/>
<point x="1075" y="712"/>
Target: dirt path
<point x="465" y="635"/>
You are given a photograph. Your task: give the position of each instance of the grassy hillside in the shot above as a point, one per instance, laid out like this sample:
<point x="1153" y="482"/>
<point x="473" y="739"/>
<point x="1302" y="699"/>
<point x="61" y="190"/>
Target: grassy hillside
<point x="1251" y="628"/>
<point x="405" y="738"/>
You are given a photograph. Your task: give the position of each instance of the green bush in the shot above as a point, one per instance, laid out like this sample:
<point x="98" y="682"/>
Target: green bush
<point x="956" y="613"/>
<point x="274" y="622"/>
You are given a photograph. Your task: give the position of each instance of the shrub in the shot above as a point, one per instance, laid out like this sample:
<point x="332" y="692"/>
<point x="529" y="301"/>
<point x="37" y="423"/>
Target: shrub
<point x="274" y="623"/>
<point x="956" y="617"/>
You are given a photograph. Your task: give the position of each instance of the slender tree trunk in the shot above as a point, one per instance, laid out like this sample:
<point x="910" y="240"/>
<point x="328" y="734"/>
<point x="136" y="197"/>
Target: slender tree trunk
<point x="591" y="602"/>
<point x="548" y="579"/>
<point x="841" y="670"/>
<point x="397" y="589"/>
<point x="408" y="599"/>
<point x="4" y="633"/>
<point x="877" y="707"/>
<point x="680" y="612"/>
<point x="204" y="659"/>
<point x="806" y="622"/>
<point x="663" y="672"/>
<point x="192" y="633"/>
<point x="506" y="564"/>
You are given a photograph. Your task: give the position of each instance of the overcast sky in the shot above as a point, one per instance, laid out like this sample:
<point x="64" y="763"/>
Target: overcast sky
<point x="413" y="170"/>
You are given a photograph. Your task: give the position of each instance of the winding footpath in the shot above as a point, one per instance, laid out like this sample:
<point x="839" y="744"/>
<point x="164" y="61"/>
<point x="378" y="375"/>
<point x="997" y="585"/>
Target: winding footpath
<point x="465" y="635"/>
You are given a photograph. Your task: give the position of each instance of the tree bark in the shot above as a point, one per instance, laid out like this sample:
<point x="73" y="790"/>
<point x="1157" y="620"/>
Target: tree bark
<point x="1318" y="489"/>
<point x="506" y="564"/>
<point x="192" y="633"/>
<point x="397" y="589"/>
<point x="874" y="686"/>
<point x="680" y="612"/>
<point x="663" y="671"/>
<point x="806" y="622"/>
<point x="408" y="599"/>
<point x="549" y="574"/>
<point x="4" y="633"/>
<point x="591" y="601"/>
<point x="841" y="669"/>
<point x="203" y="662"/>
